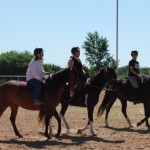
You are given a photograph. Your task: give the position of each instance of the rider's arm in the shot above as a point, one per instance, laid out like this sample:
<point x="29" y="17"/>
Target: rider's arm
<point x="132" y="70"/>
<point x="70" y="63"/>
<point x="137" y="74"/>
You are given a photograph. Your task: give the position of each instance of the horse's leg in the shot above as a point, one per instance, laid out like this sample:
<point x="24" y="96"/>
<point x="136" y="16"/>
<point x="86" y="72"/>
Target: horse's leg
<point x="80" y="130"/>
<point x="50" y="127"/>
<point x="55" y="114"/>
<point x="14" y="110"/>
<point x="141" y="122"/>
<point x="90" y="122"/>
<point x="47" y="120"/>
<point x="2" y="109"/>
<point x="146" y="109"/>
<point x="108" y="110"/>
<point x="147" y="114"/>
<point x="124" y="108"/>
<point x="90" y="116"/>
<point x="64" y="107"/>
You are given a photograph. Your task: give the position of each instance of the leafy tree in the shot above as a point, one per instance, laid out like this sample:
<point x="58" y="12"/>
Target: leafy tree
<point x="14" y="63"/>
<point x="51" y="68"/>
<point x="123" y="71"/>
<point x="97" y="53"/>
<point x="145" y="70"/>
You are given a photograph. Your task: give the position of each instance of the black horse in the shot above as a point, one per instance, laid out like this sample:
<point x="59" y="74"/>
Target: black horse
<point x="89" y="94"/>
<point x="124" y="94"/>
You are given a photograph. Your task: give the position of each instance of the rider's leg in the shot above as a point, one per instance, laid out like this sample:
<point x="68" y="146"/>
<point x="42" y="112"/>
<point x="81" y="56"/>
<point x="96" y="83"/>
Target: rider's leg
<point x="135" y="92"/>
<point x="72" y="92"/>
<point x="37" y="90"/>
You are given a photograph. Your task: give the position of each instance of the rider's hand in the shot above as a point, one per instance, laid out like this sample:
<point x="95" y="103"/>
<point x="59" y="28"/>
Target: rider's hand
<point x="140" y="76"/>
<point x="41" y="80"/>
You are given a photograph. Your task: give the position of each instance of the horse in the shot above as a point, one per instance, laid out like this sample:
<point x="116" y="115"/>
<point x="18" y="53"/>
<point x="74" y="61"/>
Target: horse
<point x="90" y="95"/>
<point x="123" y="93"/>
<point x="13" y="95"/>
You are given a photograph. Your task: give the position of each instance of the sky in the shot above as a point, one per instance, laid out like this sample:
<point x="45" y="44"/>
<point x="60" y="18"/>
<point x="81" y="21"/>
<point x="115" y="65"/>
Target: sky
<point x="59" y="25"/>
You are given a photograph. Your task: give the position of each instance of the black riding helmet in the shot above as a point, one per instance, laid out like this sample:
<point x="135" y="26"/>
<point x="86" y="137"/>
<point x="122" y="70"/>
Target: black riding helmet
<point x="75" y="49"/>
<point x="37" y="51"/>
<point x="134" y="52"/>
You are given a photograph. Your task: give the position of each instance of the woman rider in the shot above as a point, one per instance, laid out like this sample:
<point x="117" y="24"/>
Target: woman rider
<point x="75" y="63"/>
<point x="35" y="73"/>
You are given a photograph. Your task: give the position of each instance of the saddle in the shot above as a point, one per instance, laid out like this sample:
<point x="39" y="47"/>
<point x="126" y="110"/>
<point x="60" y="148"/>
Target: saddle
<point x="135" y="93"/>
<point x="20" y="83"/>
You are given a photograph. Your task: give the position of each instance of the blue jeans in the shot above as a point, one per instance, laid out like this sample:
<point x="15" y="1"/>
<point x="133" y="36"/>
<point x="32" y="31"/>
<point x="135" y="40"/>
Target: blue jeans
<point x="37" y="88"/>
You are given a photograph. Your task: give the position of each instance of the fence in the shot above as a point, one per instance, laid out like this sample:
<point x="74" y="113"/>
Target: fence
<point x="4" y="78"/>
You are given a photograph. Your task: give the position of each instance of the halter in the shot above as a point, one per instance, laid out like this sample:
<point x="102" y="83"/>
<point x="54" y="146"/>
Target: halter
<point x="109" y="80"/>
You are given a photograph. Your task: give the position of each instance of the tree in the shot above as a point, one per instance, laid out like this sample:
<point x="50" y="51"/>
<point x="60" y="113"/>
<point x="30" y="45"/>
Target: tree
<point x="123" y="72"/>
<point x="51" y="68"/>
<point x="96" y="51"/>
<point x="16" y="63"/>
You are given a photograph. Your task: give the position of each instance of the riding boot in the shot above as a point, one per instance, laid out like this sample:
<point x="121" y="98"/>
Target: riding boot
<point x="136" y="97"/>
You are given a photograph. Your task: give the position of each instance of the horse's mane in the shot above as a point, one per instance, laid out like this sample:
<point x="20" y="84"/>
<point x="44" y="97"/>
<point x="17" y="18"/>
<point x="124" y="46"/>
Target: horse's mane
<point x="95" y="75"/>
<point x="56" y="78"/>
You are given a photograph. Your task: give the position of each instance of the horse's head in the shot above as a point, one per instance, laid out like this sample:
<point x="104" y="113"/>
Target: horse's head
<point x="73" y="77"/>
<point x="109" y="74"/>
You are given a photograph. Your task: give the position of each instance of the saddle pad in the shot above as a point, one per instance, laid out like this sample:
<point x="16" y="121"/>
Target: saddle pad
<point x="23" y="83"/>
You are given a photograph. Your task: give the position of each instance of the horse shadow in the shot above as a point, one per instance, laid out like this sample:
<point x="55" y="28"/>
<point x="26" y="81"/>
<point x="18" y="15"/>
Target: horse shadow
<point x="75" y="141"/>
<point x="127" y="129"/>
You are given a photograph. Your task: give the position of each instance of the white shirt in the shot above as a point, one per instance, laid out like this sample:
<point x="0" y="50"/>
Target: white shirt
<point x="35" y="70"/>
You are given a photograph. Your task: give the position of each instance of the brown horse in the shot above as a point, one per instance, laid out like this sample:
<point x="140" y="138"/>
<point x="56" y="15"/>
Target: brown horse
<point x="13" y="95"/>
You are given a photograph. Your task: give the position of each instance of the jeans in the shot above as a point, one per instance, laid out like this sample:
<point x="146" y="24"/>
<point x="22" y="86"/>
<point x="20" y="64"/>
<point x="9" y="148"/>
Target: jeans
<point x="37" y="88"/>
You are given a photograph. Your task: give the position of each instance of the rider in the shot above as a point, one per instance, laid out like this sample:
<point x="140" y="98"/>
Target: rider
<point x="134" y="75"/>
<point x="75" y="63"/>
<point x="35" y="73"/>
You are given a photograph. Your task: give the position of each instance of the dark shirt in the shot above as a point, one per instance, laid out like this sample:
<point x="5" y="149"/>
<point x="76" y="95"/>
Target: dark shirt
<point x="135" y="65"/>
<point x="77" y="65"/>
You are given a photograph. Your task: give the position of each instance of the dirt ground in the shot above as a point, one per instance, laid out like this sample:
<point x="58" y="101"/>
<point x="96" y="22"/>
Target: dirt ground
<point x="117" y="136"/>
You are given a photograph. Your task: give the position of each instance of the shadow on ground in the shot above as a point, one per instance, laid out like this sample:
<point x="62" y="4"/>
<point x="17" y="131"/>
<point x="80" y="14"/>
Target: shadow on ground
<point x="75" y="141"/>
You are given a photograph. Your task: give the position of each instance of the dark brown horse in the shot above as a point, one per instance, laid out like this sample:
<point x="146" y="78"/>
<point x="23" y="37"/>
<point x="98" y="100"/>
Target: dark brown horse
<point x="124" y="94"/>
<point x="89" y="95"/>
<point x="13" y="95"/>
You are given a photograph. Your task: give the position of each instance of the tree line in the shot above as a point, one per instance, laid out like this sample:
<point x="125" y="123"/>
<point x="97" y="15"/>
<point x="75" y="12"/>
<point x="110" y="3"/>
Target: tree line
<point x="96" y="52"/>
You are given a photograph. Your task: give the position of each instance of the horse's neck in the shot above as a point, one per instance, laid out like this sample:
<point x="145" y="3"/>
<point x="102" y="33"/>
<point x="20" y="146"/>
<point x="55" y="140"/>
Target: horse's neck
<point x="58" y="78"/>
<point x="96" y="85"/>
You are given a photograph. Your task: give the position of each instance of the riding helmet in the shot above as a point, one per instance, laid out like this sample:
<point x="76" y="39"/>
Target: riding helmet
<point x="75" y="49"/>
<point x="134" y="52"/>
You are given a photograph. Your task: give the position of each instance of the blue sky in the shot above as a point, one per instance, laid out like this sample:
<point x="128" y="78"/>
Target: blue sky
<point x="58" y="25"/>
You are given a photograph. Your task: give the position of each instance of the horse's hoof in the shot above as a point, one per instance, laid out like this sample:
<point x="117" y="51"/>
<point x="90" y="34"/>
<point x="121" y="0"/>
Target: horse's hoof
<point x="138" y="124"/>
<point x="93" y="135"/>
<point x="48" y="137"/>
<point x="20" y="136"/>
<point x="67" y="131"/>
<point x="131" y="126"/>
<point x="106" y="126"/>
<point x="57" y="135"/>
<point x="79" y="131"/>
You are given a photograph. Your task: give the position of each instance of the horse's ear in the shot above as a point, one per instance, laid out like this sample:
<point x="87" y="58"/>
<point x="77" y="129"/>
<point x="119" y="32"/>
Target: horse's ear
<point x="115" y="67"/>
<point x="106" y="69"/>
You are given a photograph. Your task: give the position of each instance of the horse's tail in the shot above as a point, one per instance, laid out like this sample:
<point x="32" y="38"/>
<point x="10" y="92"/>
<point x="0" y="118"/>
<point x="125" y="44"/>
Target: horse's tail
<point x="41" y="116"/>
<point x="104" y="104"/>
